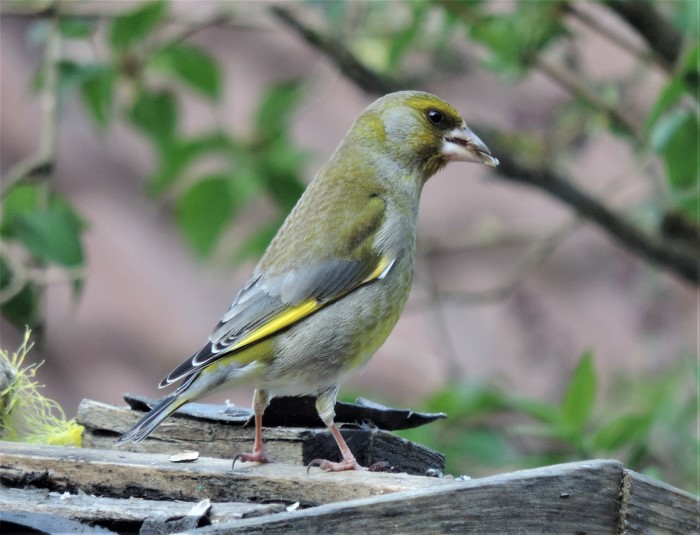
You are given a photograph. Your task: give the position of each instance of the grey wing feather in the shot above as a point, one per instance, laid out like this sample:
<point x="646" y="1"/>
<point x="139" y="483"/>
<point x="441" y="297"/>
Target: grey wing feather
<point x="264" y="298"/>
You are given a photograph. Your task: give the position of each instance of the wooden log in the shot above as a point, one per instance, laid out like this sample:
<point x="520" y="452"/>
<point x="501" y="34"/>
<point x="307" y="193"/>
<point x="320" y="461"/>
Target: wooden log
<point x="104" y="423"/>
<point x="580" y="497"/>
<point x="650" y="506"/>
<point x="583" y="497"/>
<point x="153" y="476"/>
<point x="122" y="514"/>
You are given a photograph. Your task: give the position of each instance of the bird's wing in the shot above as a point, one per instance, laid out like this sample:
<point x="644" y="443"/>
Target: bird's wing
<point x="267" y="305"/>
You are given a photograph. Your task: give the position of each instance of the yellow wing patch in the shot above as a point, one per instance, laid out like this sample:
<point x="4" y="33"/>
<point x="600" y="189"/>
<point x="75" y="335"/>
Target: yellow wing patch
<point x="298" y="312"/>
<point x="285" y="319"/>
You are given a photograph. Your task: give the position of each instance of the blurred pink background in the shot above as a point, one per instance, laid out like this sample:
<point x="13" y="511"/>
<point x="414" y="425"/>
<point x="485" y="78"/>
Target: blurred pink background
<point x="148" y="303"/>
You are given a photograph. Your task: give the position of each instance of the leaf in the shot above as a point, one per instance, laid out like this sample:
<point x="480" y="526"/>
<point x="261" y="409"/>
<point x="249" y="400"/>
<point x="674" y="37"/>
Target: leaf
<point x="51" y="235"/>
<point x="183" y="153"/>
<point x="134" y="26"/>
<point x="155" y="113"/>
<point x="676" y="137"/>
<point x="539" y="410"/>
<point x="23" y="309"/>
<point x="279" y="167"/>
<point x="275" y="109"/>
<point x="579" y="398"/>
<point x="194" y="66"/>
<point x="21" y="199"/>
<point x="622" y="430"/>
<point x="76" y="28"/>
<point x="97" y="91"/>
<point x="204" y="211"/>
<point x="681" y="83"/>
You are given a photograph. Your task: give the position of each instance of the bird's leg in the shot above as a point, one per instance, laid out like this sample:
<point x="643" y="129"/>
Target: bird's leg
<point x="325" y="405"/>
<point x="260" y="401"/>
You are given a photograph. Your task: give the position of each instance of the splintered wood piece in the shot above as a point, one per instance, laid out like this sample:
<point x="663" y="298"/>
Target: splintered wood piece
<point x="152" y="476"/>
<point x="104" y="423"/>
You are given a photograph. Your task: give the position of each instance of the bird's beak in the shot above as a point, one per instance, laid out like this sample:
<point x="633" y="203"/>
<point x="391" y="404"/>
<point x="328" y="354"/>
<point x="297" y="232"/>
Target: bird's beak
<point x="463" y="145"/>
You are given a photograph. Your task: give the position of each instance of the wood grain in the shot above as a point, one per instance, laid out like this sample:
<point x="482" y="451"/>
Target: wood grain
<point x="152" y="476"/>
<point x="570" y="498"/>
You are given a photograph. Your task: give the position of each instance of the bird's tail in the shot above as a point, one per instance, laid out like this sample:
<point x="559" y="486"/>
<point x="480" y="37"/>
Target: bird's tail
<point x="150" y="421"/>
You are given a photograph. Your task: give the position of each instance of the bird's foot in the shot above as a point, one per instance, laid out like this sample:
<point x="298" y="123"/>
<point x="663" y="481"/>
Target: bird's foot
<point x="255" y="457"/>
<point x="329" y="466"/>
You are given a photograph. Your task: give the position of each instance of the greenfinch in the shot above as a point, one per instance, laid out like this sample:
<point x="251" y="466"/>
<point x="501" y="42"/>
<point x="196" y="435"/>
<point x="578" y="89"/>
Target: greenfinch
<point x="334" y="280"/>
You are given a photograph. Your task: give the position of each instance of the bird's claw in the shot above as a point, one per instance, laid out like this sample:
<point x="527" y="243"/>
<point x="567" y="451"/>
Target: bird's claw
<point x="329" y="466"/>
<point x="255" y="457"/>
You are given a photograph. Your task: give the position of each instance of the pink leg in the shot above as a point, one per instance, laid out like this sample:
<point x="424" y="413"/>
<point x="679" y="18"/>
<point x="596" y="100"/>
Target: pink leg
<point x="259" y="454"/>
<point x="325" y="404"/>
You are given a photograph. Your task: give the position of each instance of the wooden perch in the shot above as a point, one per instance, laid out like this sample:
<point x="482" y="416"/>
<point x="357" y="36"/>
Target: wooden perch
<point x="293" y="445"/>
<point x="585" y="497"/>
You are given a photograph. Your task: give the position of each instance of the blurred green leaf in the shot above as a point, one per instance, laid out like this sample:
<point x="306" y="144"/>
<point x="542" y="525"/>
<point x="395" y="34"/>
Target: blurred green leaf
<point x="76" y="28"/>
<point x="622" y="430"/>
<point x="514" y="36"/>
<point x="97" y="90"/>
<point x="401" y="42"/>
<point x="183" y="153"/>
<point x="155" y="113"/>
<point x="676" y="136"/>
<point x="468" y="400"/>
<point x="681" y="83"/>
<point x="193" y="65"/>
<point x="577" y="405"/>
<point x="280" y="167"/>
<point x="205" y="210"/>
<point x="275" y="109"/>
<point x="52" y="235"/>
<point x="23" y="308"/>
<point x="539" y="410"/>
<point x="136" y="25"/>
<point x="21" y="199"/>
<point x="485" y="445"/>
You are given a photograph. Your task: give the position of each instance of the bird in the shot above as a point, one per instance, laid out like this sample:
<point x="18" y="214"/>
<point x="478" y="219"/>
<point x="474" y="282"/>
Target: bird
<point x="332" y="283"/>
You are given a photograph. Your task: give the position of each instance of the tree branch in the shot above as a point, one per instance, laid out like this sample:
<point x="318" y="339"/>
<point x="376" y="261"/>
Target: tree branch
<point x="613" y="36"/>
<point x="683" y="262"/>
<point x="661" y="36"/>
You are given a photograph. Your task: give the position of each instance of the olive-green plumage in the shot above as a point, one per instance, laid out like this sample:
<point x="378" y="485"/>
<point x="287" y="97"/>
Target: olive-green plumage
<point x="334" y="280"/>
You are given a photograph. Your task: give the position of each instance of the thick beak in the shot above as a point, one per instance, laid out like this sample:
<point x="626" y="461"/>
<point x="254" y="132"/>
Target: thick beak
<point x="463" y="145"/>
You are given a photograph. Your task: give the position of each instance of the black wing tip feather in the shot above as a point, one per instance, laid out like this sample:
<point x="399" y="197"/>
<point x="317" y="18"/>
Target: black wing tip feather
<point x="188" y="367"/>
<point x="150" y="420"/>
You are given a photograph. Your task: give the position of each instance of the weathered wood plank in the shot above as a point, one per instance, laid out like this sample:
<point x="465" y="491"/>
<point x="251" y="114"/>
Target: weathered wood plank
<point x="128" y="514"/>
<point x="104" y="423"/>
<point x="650" y="506"/>
<point x="578" y="497"/>
<point x="124" y="474"/>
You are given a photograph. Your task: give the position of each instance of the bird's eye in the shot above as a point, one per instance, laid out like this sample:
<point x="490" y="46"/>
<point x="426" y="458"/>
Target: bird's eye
<point x="436" y="117"/>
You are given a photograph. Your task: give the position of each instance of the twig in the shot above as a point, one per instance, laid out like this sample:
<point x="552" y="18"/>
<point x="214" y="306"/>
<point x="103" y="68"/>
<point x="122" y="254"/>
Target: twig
<point x="527" y="263"/>
<point x="682" y="261"/>
<point x="348" y="64"/>
<point x="594" y="24"/>
<point x="573" y="86"/>
<point x="41" y="163"/>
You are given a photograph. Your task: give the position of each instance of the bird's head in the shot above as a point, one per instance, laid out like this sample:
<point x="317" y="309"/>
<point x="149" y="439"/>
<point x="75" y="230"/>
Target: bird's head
<point x="421" y="132"/>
